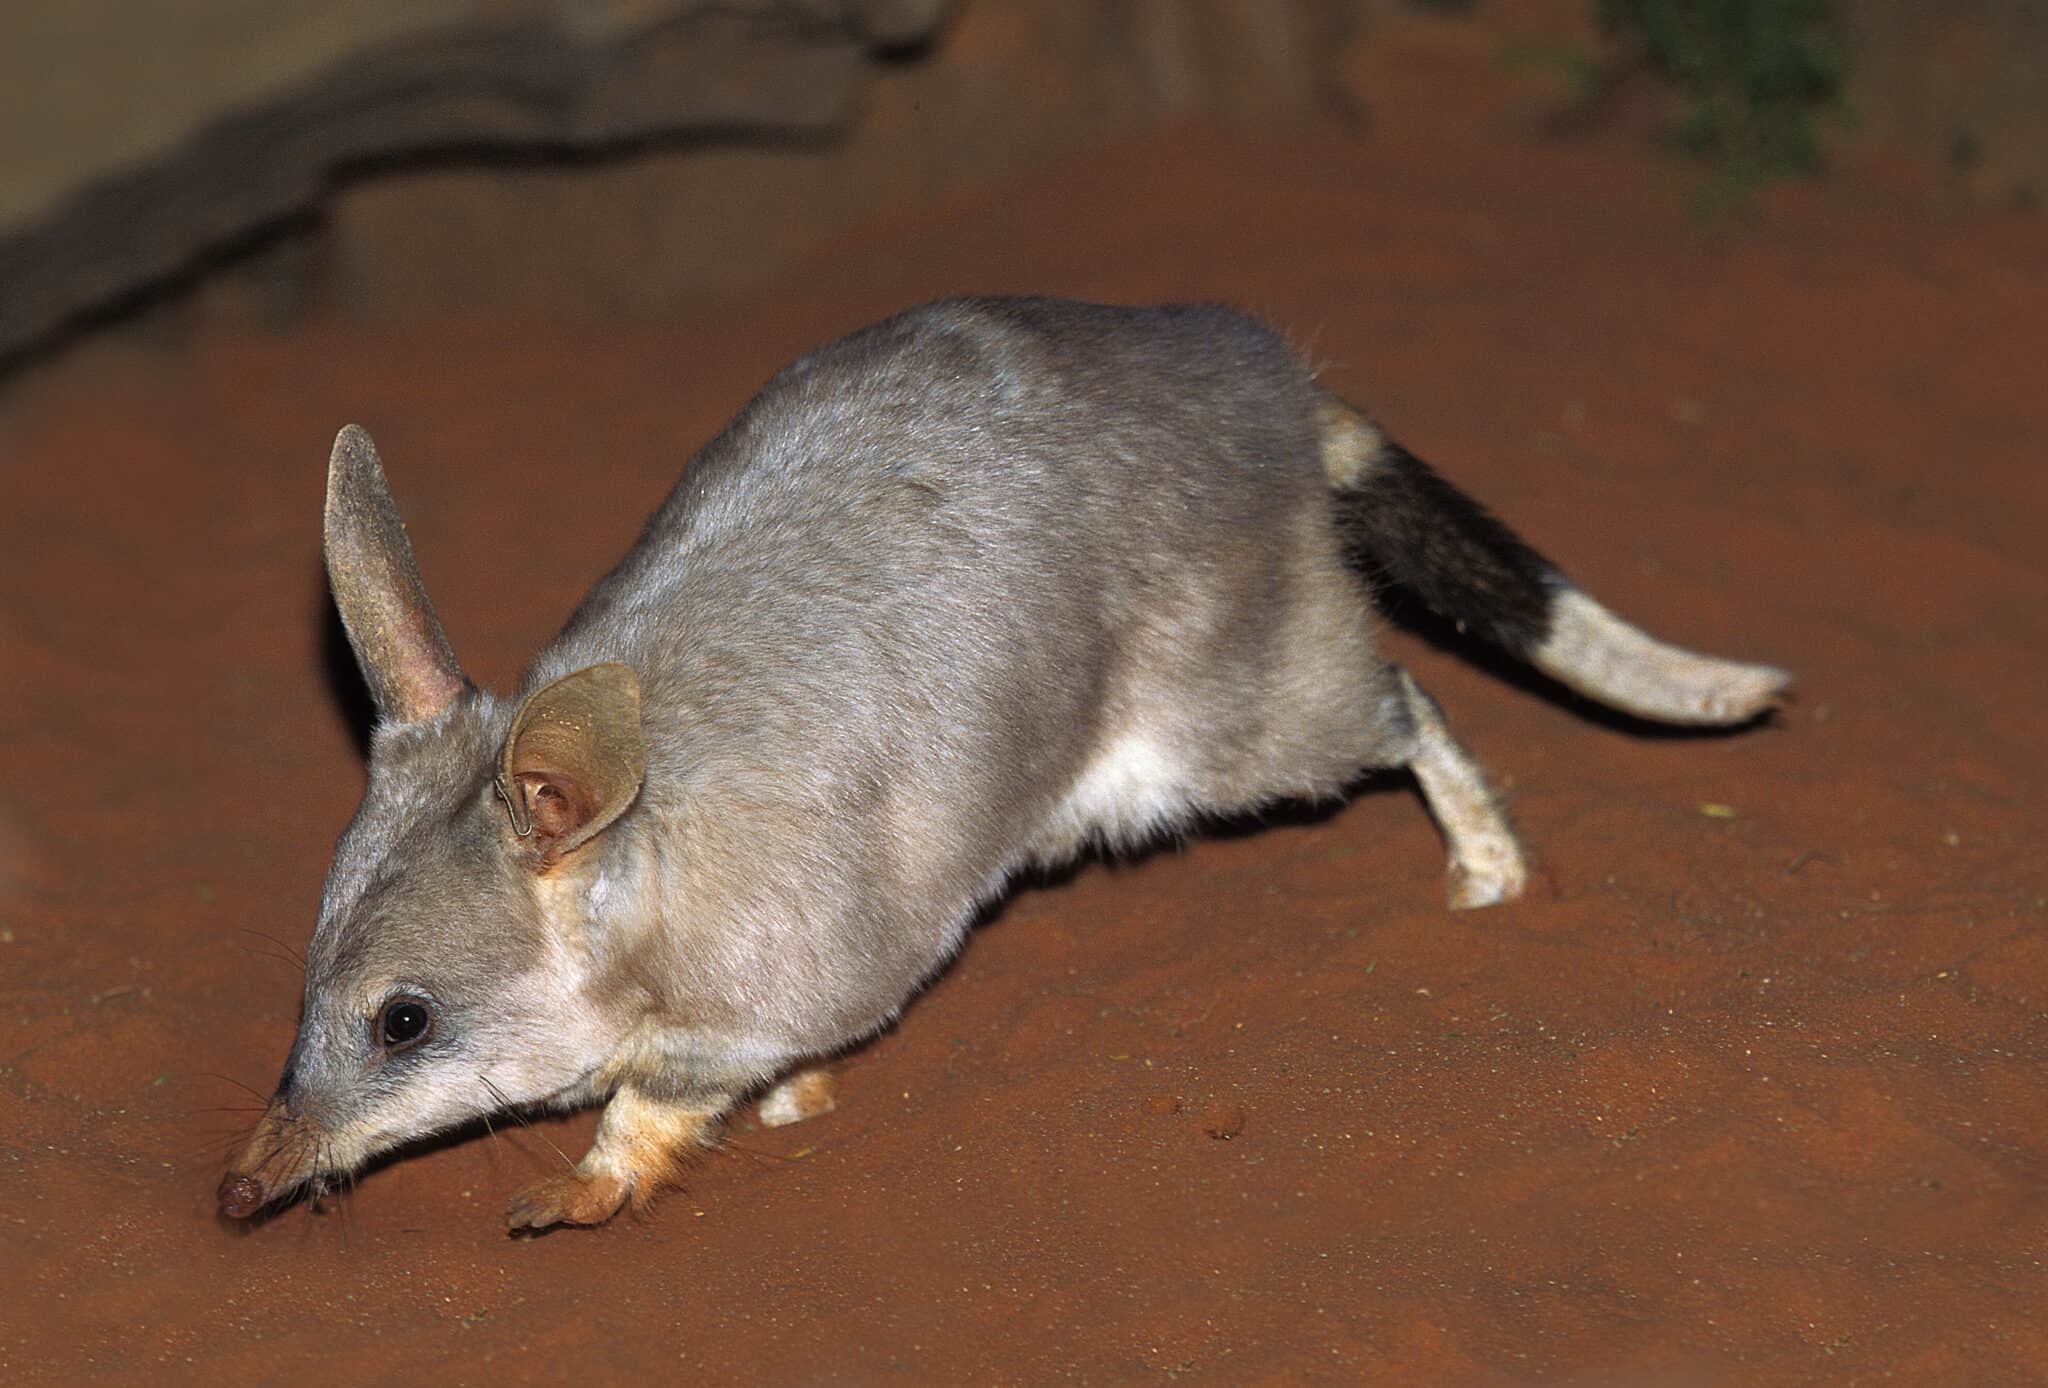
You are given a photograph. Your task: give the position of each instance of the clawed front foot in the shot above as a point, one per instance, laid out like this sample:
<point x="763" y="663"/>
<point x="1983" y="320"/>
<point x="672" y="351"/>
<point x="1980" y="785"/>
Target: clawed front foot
<point x="571" y="1198"/>
<point x="642" y="1146"/>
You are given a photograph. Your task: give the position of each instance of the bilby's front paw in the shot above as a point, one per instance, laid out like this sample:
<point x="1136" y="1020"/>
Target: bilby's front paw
<point x="568" y="1199"/>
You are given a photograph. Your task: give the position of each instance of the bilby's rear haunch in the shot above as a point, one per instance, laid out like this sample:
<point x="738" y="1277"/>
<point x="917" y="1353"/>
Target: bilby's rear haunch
<point x="971" y="589"/>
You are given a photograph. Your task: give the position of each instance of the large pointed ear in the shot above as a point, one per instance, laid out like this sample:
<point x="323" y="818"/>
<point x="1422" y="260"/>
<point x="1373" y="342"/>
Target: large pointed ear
<point x="404" y="654"/>
<point x="574" y="759"/>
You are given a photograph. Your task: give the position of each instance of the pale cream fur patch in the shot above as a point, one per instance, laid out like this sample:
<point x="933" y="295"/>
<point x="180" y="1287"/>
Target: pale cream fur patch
<point x="1126" y="792"/>
<point x="642" y="1147"/>
<point x="1598" y="654"/>
<point x="806" y="1094"/>
<point x="646" y="1141"/>
<point x="1486" y="862"/>
<point x="1350" y="443"/>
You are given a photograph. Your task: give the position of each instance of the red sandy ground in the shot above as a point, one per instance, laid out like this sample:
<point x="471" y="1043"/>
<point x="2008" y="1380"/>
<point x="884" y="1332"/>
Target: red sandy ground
<point x="1746" y="1094"/>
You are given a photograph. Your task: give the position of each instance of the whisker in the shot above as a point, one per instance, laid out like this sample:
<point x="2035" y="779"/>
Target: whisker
<point x="740" y="1149"/>
<point x="219" y="1148"/>
<point x="288" y="1151"/>
<point x="288" y="951"/>
<point x="219" y="1144"/>
<point x="233" y="1127"/>
<point x="493" y="1167"/>
<point x="343" y="1184"/>
<point x="507" y="1105"/>
<point x="270" y="956"/>
<point x="307" y="1223"/>
<point x="319" y="1186"/>
<point x="257" y="1095"/>
<point x="491" y="1148"/>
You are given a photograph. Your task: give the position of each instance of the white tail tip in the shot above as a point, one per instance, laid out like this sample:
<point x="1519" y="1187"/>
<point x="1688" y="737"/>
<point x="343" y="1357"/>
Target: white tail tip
<point x="1601" y="656"/>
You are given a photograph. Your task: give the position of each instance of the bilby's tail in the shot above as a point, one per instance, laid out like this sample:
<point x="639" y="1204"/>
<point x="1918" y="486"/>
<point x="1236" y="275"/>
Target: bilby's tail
<point x="1404" y="521"/>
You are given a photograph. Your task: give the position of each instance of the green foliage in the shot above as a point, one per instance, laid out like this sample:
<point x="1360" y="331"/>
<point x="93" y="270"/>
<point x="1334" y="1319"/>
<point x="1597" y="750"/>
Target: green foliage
<point x="1584" y="77"/>
<point x="1759" y="75"/>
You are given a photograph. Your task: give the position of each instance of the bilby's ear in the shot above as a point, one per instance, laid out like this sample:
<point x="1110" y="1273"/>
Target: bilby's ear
<point x="404" y="654"/>
<point x="574" y="759"/>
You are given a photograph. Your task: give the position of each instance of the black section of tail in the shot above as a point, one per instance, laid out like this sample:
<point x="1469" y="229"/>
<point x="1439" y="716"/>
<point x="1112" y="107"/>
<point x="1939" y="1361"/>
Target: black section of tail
<point x="1405" y="524"/>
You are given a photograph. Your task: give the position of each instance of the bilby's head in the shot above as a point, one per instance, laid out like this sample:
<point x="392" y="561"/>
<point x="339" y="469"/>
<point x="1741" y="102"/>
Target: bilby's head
<point x="449" y="974"/>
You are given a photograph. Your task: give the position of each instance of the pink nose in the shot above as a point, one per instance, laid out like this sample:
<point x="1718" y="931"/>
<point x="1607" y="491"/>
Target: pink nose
<point x="240" y="1196"/>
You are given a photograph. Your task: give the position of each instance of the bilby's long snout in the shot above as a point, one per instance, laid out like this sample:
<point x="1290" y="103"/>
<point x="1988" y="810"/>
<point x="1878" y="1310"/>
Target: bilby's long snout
<point x="240" y="1196"/>
<point x="279" y="1157"/>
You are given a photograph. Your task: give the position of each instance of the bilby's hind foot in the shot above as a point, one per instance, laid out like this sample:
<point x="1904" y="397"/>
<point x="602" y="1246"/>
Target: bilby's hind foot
<point x="805" y="1094"/>
<point x="1502" y="876"/>
<point x="642" y="1146"/>
<point x="1486" y="865"/>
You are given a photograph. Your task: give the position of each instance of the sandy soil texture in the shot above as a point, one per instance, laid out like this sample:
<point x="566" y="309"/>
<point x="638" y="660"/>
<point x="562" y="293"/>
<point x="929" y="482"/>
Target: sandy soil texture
<point x="1748" y="1091"/>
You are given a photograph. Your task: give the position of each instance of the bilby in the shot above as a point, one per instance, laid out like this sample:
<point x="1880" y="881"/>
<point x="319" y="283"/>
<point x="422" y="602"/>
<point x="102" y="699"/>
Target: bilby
<point x="973" y="588"/>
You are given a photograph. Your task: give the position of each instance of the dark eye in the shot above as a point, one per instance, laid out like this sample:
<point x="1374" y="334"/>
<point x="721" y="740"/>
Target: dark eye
<point x="404" y="1021"/>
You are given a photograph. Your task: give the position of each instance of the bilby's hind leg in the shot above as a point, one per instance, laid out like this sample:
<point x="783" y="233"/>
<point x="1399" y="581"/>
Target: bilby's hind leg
<point x="642" y="1145"/>
<point x="1486" y="861"/>
<point x="805" y="1094"/>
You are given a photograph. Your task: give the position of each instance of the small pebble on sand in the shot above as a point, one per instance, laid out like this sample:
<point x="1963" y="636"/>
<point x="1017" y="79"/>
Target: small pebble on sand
<point x="1223" y="1120"/>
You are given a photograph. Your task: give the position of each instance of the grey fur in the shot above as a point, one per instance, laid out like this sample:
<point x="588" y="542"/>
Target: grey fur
<point x="964" y="591"/>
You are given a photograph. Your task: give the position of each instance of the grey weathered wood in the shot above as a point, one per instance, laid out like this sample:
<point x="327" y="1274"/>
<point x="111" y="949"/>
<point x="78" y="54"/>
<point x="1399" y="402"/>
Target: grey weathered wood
<point x="542" y="78"/>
